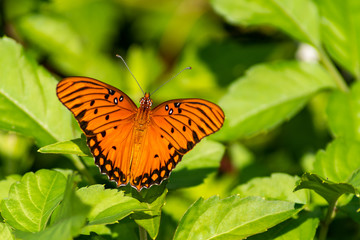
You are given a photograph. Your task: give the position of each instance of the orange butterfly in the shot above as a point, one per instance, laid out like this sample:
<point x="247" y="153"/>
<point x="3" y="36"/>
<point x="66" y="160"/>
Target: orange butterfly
<point x="131" y="144"/>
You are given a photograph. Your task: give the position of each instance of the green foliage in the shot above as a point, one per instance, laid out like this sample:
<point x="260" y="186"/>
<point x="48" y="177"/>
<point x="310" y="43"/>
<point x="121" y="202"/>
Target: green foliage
<point x="232" y="218"/>
<point x="285" y="165"/>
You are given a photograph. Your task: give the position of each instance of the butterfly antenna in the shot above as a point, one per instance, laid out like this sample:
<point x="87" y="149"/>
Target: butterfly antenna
<point x="117" y="55"/>
<point x="170" y="79"/>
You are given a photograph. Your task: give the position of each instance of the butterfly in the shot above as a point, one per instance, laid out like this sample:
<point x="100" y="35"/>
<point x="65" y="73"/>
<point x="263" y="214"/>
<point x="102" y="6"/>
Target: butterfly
<point x="136" y="145"/>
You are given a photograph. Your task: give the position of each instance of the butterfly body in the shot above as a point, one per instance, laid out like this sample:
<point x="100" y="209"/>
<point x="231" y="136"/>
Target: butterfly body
<point x="135" y="145"/>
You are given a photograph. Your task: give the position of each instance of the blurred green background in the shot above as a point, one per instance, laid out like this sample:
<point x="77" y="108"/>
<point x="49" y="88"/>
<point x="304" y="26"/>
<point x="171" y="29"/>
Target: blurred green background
<point x="158" y="39"/>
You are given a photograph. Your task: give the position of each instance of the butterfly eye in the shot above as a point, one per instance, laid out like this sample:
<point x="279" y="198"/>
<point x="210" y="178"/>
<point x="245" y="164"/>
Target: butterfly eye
<point x="121" y="98"/>
<point x="166" y="107"/>
<point x="115" y="100"/>
<point x="170" y="112"/>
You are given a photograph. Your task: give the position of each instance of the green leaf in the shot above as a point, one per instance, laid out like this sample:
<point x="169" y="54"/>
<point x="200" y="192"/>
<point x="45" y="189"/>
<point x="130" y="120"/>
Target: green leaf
<point x="339" y="161"/>
<point x="329" y="190"/>
<point x="66" y="221"/>
<point x="343" y="113"/>
<point x="5" y="232"/>
<point x="197" y="164"/>
<point x="301" y="228"/>
<point x="279" y="186"/>
<point x="268" y="95"/>
<point x="28" y="100"/>
<point x="108" y="205"/>
<point x="153" y="200"/>
<point x="75" y="146"/>
<point x="340" y="27"/>
<point x="232" y="217"/>
<point x="6" y="184"/>
<point x="288" y="15"/>
<point x="32" y="200"/>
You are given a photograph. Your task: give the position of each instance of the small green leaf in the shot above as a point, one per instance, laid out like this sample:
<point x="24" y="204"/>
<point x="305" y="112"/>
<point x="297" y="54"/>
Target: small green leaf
<point x="153" y="200"/>
<point x="340" y="27"/>
<point x="279" y="186"/>
<point x="197" y="164"/>
<point x="339" y="161"/>
<point x="66" y="221"/>
<point x="232" y="217"/>
<point x="5" y="232"/>
<point x="28" y="100"/>
<point x="329" y="190"/>
<point x="32" y="200"/>
<point x="301" y="228"/>
<point x="343" y="113"/>
<point x="6" y="184"/>
<point x="288" y="15"/>
<point x="108" y="205"/>
<point x="75" y="146"/>
<point x="268" y="95"/>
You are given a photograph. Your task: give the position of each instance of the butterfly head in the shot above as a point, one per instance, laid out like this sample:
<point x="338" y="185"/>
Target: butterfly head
<point x="146" y="102"/>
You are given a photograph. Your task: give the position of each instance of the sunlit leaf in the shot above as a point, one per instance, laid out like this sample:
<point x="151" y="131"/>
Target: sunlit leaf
<point x="340" y="27"/>
<point x="33" y="199"/>
<point x="5" y="232"/>
<point x="76" y="146"/>
<point x="339" y="161"/>
<point x="329" y="190"/>
<point x="301" y="228"/>
<point x="107" y="205"/>
<point x="232" y="217"/>
<point x="6" y="184"/>
<point x="279" y="186"/>
<point x="343" y="113"/>
<point x="287" y="15"/>
<point x="66" y="221"/>
<point x="28" y="101"/>
<point x="268" y="95"/>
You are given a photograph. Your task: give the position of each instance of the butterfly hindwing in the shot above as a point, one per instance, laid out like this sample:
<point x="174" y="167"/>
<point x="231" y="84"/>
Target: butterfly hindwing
<point x="175" y="127"/>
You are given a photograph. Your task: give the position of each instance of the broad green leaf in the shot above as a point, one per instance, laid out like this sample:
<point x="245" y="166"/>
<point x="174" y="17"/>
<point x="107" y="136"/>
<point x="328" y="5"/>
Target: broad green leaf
<point x="6" y="184"/>
<point x="340" y="29"/>
<point x="288" y="15"/>
<point x="343" y="113"/>
<point x="33" y="199"/>
<point x="329" y="190"/>
<point x="66" y="221"/>
<point x="5" y="232"/>
<point x="74" y="57"/>
<point x="301" y="228"/>
<point x="197" y="164"/>
<point x="339" y="161"/>
<point x="28" y="100"/>
<point x="232" y="217"/>
<point x="75" y="146"/>
<point x="153" y="200"/>
<point x="268" y="95"/>
<point x="279" y="186"/>
<point x="107" y="205"/>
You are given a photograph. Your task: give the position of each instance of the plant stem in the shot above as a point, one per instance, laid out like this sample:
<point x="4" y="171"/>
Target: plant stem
<point x="142" y="233"/>
<point x="328" y="219"/>
<point x="332" y="70"/>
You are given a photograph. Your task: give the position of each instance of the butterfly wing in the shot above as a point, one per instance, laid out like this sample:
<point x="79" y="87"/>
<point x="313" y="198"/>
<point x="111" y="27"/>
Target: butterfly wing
<point x="175" y="127"/>
<point x="106" y="115"/>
